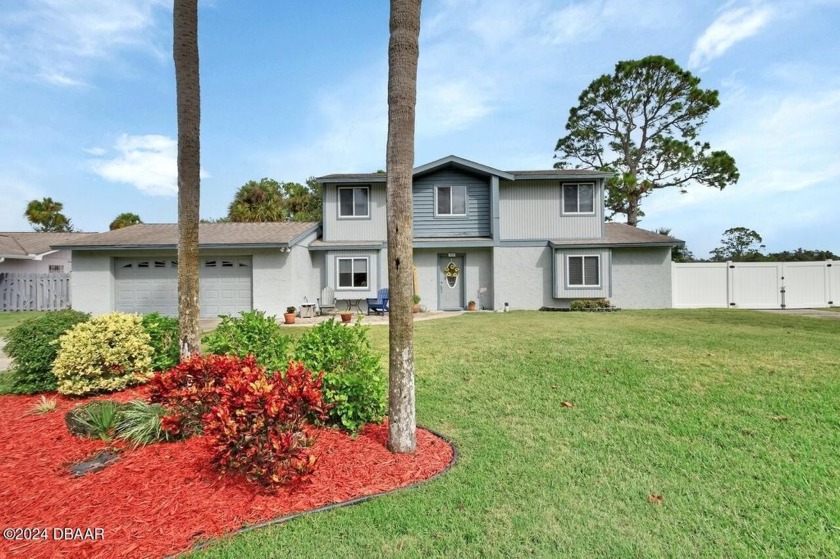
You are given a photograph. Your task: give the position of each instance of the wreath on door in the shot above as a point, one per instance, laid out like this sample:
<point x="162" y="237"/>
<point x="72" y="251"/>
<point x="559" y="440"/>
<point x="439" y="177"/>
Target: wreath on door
<point x="451" y="274"/>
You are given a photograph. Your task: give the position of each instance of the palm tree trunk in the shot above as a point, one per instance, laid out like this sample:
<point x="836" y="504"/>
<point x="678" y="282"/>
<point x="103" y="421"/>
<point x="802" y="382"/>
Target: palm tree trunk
<point x="403" y="52"/>
<point x="185" y="54"/>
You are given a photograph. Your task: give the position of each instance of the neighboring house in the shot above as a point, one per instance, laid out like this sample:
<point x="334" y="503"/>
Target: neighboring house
<point x="31" y="252"/>
<point x="528" y="239"/>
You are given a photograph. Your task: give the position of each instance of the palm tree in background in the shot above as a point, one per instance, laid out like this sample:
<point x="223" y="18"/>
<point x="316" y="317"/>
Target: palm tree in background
<point x="258" y="201"/>
<point x="124" y="220"/>
<point x="45" y="216"/>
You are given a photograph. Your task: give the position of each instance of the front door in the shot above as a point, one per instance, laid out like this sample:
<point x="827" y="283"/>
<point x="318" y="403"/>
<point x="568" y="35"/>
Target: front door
<point x="451" y="281"/>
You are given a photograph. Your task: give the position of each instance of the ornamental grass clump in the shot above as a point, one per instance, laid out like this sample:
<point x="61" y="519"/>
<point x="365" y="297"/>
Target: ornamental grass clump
<point x="107" y="353"/>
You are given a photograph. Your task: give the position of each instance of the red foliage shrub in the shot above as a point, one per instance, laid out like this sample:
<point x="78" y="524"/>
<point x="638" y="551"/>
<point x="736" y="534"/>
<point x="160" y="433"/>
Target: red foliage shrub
<point x="259" y="426"/>
<point x="189" y="389"/>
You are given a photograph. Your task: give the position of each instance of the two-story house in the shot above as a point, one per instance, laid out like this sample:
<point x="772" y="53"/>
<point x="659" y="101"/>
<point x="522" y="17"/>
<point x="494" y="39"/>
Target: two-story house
<point x="528" y="239"/>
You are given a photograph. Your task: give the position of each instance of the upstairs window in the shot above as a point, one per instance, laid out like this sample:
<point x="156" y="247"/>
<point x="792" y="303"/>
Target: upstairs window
<point x="353" y="201"/>
<point x="451" y="200"/>
<point x="578" y="198"/>
<point x="352" y="273"/>
<point x="584" y="271"/>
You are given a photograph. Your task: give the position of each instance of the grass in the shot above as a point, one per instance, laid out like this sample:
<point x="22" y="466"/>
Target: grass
<point x="9" y="320"/>
<point x="730" y="416"/>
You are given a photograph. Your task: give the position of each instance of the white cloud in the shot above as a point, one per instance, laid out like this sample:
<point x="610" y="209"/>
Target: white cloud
<point x="733" y="25"/>
<point x="149" y="163"/>
<point x="54" y="40"/>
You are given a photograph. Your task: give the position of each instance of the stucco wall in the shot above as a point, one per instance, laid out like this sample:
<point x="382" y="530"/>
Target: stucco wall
<point x="478" y="272"/>
<point x="92" y="283"/>
<point x="523" y="277"/>
<point x="641" y="278"/>
<point x="22" y="266"/>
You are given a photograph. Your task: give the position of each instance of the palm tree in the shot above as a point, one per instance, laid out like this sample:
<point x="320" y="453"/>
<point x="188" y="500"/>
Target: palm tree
<point x="124" y="220"/>
<point x="403" y="52"/>
<point x="45" y="216"/>
<point x="258" y="201"/>
<point x="185" y="55"/>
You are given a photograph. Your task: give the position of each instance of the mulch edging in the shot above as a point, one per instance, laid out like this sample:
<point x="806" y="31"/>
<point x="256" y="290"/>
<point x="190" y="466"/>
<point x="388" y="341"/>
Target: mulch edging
<point x="166" y="499"/>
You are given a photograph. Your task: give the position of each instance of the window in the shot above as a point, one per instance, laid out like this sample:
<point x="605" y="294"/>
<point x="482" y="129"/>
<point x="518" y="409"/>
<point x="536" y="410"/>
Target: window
<point x="56" y="268"/>
<point x="353" y="201"/>
<point x="584" y="271"/>
<point x="451" y="200"/>
<point x="578" y="198"/>
<point x="352" y="273"/>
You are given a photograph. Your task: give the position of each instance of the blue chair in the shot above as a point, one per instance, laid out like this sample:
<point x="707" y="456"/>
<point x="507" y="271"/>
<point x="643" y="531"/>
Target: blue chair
<point x="380" y="304"/>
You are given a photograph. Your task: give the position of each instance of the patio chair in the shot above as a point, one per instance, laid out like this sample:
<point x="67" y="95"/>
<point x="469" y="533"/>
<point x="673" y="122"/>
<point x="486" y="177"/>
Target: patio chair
<point x="327" y="300"/>
<point x="380" y="304"/>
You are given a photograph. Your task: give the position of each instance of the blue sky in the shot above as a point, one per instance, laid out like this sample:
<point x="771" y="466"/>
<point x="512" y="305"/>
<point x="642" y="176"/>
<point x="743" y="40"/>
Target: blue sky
<point x="296" y="89"/>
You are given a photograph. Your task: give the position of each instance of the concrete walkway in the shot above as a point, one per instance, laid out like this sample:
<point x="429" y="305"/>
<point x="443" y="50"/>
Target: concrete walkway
<point x="208" y="324"/>
<point x="813" y="313"/>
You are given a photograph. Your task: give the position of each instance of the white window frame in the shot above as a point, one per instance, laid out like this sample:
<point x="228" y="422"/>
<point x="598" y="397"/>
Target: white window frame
<point x="452" y="187"/>
<point x="577" y="189"/>
<point x="583" y="271"/>
<point x="354" y="189"/>
<point x="353" y="287"/>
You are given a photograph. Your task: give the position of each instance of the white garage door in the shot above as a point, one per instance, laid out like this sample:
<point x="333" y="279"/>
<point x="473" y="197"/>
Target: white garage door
<point x="145" y="285"/>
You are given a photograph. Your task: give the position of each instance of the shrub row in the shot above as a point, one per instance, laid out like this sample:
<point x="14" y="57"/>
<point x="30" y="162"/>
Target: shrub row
<point x="589" y="304"/>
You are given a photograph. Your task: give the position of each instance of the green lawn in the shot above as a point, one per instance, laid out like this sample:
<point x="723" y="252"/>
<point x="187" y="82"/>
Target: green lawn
<point x="9" y="320"/>
<point x="733" y="417"/>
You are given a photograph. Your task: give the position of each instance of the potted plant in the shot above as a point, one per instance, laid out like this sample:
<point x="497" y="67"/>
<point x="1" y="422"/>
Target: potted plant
<point x="471" y="306"/>
<point x="346" y="316"/>
<point x="416" y="300"/>
<point x="290" y="315"/>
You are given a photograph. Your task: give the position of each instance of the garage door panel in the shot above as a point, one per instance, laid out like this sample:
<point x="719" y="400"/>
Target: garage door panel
<point x="149" y="285"/>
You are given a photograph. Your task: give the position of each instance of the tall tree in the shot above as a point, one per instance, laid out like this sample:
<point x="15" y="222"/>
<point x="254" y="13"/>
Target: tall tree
<point x="257" y="202"/>
<point x="739" y="244"/>
<point x="642" y="123"/>
<point x="124" y="220"/>
<point x="188" y="94"/>
<point x="303" y="202"/>
<point x="45" y="216"/>
<point x="403" y="52"/>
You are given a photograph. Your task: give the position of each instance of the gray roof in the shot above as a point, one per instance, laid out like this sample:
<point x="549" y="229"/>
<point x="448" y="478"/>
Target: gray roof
<point x="466" y="164"/>
<point x="621" y="234"/>
<point x="210" y="235"/>
<point x="30" y="244"/>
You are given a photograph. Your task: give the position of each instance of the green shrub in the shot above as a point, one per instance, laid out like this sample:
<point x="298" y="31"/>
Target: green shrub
<point x="96" y="420"/>
<point x="589" y="304"/>
<point x="354" y="382"/>
<point x="33" y="346"/>
<point x="251" y="333"/>
<point x="139" y="423"/>
<point x="107" y="353"/>
<point x="164" y="338"/>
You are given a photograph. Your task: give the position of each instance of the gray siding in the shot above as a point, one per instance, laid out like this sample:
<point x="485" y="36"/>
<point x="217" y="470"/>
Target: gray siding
<point x="532" y="209"/>
<point x="563" y="291"/>
<point x="477" y="221"/>
<point x="375" y="263"/>
<point x="641" y="278"/>
<point x="373" y="228"/>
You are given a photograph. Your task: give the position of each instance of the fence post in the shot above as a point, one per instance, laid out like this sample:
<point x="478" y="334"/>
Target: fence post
<point x="829" y="270"/>
<point x="730" y="284"/>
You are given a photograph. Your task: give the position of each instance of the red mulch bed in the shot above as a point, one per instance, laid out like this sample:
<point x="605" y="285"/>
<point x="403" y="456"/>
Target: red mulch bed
<point x="163" y="498"/>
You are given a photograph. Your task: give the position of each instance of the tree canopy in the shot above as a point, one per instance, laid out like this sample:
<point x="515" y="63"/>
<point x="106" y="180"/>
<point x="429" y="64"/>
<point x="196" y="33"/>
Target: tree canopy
<point x="642" y="123"/>
<point x="739" y="244"/>
<point x="124" y="220"/>
<point x="270" y="200"/>
<point x="45" y="216"/>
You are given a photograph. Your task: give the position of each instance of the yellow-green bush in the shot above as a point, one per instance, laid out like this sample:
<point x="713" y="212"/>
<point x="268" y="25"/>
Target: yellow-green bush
<point x="107" y="353"/>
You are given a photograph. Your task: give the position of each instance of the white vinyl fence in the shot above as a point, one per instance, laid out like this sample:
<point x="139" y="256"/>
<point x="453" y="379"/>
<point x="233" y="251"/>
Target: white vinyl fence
<point x="755" y="285"/>
<point x="34" y="292"/>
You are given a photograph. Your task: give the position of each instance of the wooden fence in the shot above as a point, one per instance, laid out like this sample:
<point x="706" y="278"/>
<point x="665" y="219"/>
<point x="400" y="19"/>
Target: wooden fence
<point x="756" y="285"/>
<point x="34" y="292"/>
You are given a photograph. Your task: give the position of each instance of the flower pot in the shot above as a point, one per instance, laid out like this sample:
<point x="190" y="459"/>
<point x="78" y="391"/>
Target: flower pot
<point x="346" y="316"/>
<point x="416" y="308"/>
<point x="289" y="317"/>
